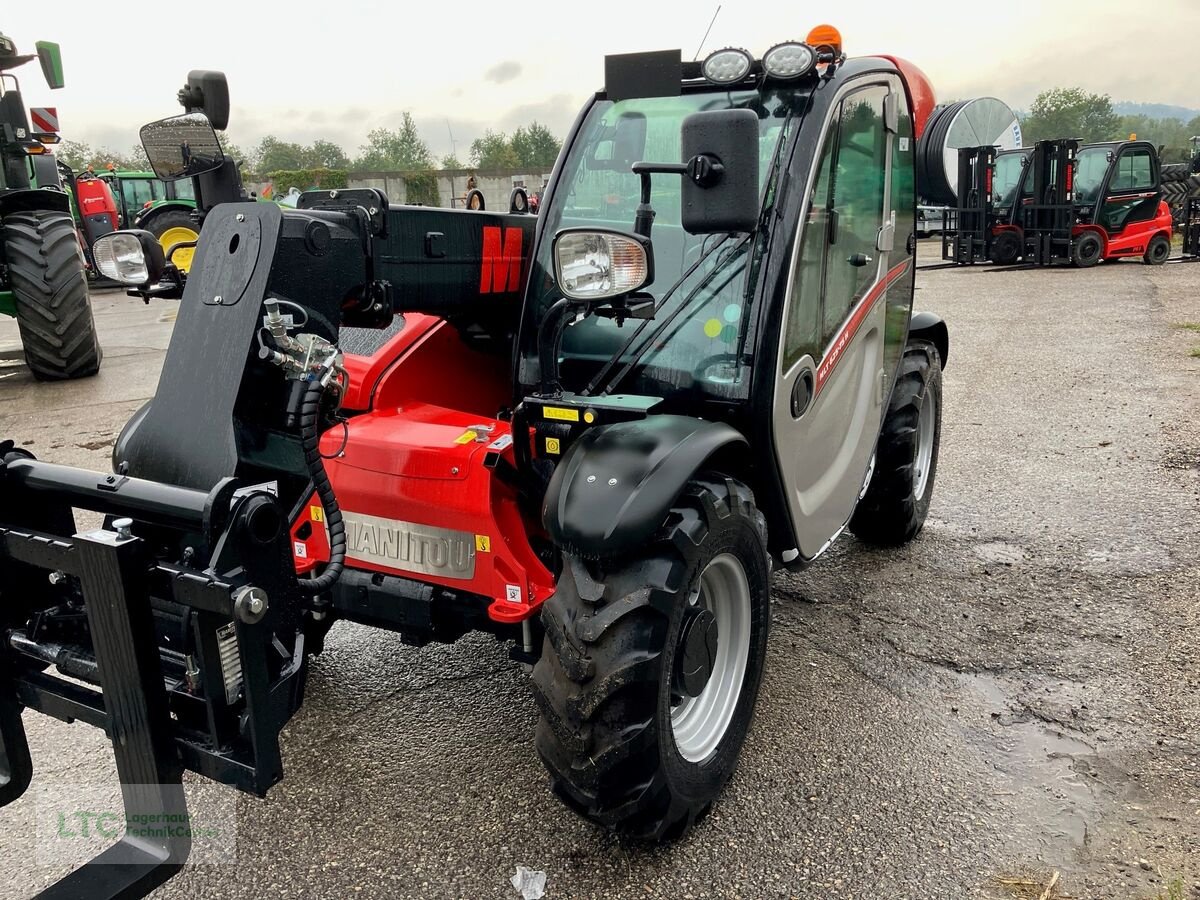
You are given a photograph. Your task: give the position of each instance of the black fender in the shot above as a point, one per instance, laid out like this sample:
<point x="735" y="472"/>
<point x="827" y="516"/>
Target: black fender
<point x="616" y="483"/>
<point x="33" y="200"/>
<point x="925" y="326"/>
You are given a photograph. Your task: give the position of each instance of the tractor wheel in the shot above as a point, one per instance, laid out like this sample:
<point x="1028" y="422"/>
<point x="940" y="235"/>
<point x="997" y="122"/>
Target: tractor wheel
<point x="894" y="504"/>
<point x="54" y="314"/>
<point x="1157" y="250"/>
<point x="651" y="666"/>
<point x="1087" y="250"/>
<point x="1006" y="248"/>
<point x="173" y="227"/>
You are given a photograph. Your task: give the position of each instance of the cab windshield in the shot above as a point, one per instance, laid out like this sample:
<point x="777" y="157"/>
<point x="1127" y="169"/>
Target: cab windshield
<point x="699" y="280"/>
<point x="1090" y="167"/>
<point x="1009" y="168"/>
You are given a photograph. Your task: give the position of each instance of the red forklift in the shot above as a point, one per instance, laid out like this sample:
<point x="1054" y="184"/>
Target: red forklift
<point x="1095" y="202"/>
<point x="992" y="185"/>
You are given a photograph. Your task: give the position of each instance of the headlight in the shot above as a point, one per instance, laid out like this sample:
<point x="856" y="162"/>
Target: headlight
<point x="789" y="60"/>
<point x="596" y="265"/>
<point x="727" y="66"/>
<point x="129" y="257"/>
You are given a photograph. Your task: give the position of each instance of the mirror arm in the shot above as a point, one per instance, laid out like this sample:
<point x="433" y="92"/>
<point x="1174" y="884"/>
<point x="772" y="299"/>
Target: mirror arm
<point x="550" y="335"/>
<point x="644" y="217"/>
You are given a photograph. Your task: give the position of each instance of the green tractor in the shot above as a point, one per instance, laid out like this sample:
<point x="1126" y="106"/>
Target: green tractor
<point x="43" y="282"/>
<point x="164" y="208"/>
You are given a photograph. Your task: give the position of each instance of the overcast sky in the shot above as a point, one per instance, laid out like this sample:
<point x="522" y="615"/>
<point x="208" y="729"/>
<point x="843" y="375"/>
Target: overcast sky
<point x="500" y="65"/>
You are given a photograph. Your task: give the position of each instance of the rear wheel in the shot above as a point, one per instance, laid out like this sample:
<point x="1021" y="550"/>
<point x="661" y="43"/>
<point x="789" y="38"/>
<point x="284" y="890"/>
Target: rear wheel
<point x="1086" y="250"/>
<point x="1157" y="250"/>
<point x="651" y="666"/>
<point x="1006" y="248"/>
<point x="54" y="313"/>
<point x="895" y="503"/>
<point x="174" y="227"/>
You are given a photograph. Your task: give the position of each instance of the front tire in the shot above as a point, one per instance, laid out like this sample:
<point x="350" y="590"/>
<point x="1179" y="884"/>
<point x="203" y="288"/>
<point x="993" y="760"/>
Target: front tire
<point x="54" y="313"/>
<point x="894" y="506"/>
<point x="1086" y="250"/>
<point x="175" y="226"/>
<point x="1157" y="250"/>
<point x="651" y="666"/>
<point x="1006" y="248"/>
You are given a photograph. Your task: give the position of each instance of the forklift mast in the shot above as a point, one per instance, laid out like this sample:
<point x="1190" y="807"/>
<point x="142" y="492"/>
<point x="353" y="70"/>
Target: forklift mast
<point x="1047" y="221"/>
<point x="966" y="238"/>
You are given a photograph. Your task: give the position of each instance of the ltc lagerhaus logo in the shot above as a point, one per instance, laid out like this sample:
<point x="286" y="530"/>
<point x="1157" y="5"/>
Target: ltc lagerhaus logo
<point x="83" y="824"/>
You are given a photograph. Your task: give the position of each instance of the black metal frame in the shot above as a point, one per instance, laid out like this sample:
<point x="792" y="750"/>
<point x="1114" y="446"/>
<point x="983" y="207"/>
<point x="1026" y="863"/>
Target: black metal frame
<point x="967" y="229"/>
<point x="122" y="588"/>
<point x="1191" y="230"/>
<point x="1047" y="222"/>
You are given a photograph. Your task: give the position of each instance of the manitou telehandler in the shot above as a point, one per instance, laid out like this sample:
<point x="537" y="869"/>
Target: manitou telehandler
<point x="1095" y="202"/>
<point x="42" y="276"/>
<point x="592" y="433"/>
<point x="992" y="185"/>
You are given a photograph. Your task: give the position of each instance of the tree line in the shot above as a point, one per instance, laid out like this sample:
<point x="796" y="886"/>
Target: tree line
<point x="1075" y="113"/>
<point x="386" y="149"/>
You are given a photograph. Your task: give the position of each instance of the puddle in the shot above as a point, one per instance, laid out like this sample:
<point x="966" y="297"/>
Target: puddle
<point x="1048" y="771"/>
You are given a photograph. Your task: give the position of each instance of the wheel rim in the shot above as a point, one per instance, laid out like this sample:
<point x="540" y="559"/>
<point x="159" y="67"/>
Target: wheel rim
<point x="1089" y="251"/>
<point x="926" y="426"/>
<point x="1160" y="250"/>
<point x="177" y="235"/>
<point x="699" y="723"/>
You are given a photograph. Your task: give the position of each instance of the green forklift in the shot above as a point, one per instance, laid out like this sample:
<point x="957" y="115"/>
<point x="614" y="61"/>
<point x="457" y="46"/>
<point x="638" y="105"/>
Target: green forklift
<point x="43" y="282"/>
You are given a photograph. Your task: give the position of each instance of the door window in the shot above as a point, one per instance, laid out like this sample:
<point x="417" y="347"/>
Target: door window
<point x="837" y="263"/>
<point x="137" y="194"/>
<point x="1134" y="172"/>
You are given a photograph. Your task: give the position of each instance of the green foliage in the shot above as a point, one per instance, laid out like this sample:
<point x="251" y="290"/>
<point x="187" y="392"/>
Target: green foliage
<point x="399" y="149"/>
<point x="1071" y="113"/>
<point x="450" y="161"/>
<point x="1173" y="135"/>
<point x="422" y="187"/>
<point x="533" y="146"/>
<point x="327" y="155"/>
<point x="306" y="179"/>
<point x="273" y="155"/>
<point x="79" y="155"/>
<point x="493" y="151"/>
<point x="1175" y="887"/>
<point x="276" y="155"/>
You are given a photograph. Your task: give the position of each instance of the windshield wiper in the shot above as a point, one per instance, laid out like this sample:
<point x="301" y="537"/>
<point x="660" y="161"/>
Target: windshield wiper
<point x="600" y="376"/>
<point x="610" y="383"/>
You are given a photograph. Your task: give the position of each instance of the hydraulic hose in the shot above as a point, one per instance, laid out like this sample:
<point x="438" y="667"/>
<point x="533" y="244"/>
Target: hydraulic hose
<point x="310" y="439"/>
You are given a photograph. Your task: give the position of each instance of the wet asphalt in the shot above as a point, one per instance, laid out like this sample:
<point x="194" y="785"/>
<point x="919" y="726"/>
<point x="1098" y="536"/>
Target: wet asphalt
<point x="1013" y="695"/>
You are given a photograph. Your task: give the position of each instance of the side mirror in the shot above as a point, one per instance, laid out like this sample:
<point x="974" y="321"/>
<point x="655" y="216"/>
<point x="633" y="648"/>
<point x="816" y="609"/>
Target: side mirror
<point x="50" y="58"/>
<point x="207" y="91"/>
<point x="182" y="146"/>
<point x="720" y="188"/>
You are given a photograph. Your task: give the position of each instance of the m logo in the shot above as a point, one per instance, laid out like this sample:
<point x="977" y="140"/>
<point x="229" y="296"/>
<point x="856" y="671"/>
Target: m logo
<point x="501" y="272"/>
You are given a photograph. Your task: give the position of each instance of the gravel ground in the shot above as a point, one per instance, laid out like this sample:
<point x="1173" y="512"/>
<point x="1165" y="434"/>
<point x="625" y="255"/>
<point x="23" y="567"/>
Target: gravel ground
<point x="1012" y="695"/>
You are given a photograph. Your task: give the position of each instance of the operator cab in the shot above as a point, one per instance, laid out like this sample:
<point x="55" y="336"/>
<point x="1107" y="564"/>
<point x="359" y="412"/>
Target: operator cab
<point x="771" y="326"/>
<point x="1117" y="184"/>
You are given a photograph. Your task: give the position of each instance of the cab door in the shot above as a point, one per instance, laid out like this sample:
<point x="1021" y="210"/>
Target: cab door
<point x="834" y="352"/>
<point x="1131" y="193"/>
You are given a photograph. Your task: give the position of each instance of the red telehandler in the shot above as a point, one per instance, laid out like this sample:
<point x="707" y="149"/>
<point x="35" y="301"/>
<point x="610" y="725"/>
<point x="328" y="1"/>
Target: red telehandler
<point x="592" y="433"/>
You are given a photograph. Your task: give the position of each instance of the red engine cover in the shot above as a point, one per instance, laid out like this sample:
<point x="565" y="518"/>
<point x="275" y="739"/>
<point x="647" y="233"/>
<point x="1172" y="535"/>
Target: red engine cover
<point x="410" y="474"/>
<point x="96" y="198"/>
